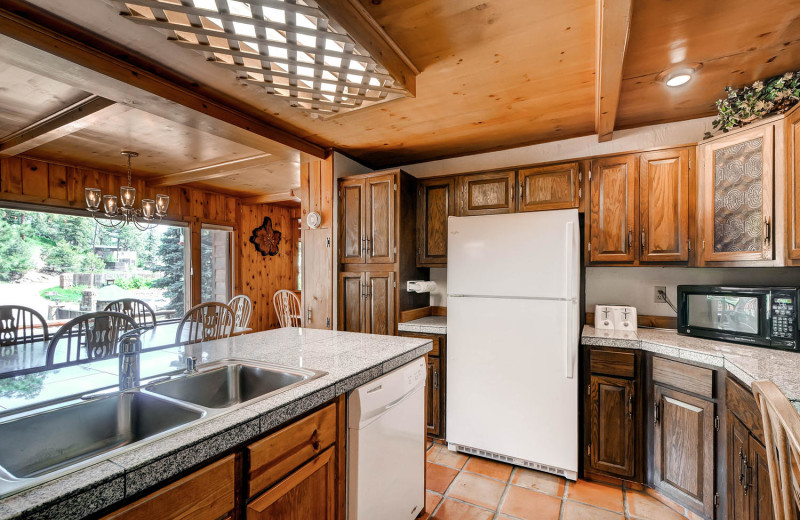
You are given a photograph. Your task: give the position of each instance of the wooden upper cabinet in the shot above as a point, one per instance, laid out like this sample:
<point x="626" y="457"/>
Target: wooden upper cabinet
<point x="792" y="130"/>
<point x="352" y="221"/>
<point x="487" y="193"/>
<point x="549" y="187"/>
<point x="664" y="206"/>
<point x="737" y="196"/>
<point x="613" y="425"/>
<point x="683" y="449"/>
<point x="613" y="209"/>
<point x="435" y="203"/>
<point x="380" y="302"/>
<point x="380" y="211"/>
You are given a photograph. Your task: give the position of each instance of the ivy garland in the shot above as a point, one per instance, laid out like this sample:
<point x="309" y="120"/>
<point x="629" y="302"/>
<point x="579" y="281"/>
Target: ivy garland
<point x="741" y="106"/>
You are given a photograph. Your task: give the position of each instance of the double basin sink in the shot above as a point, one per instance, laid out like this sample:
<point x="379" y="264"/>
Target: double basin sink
<point x="42" y="444"/>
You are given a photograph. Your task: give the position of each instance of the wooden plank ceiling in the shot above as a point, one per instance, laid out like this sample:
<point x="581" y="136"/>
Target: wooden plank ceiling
<point x="493" y="74"/>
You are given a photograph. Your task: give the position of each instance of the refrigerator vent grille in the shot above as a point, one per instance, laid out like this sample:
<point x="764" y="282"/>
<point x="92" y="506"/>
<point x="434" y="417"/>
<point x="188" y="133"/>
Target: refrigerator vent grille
<point x="510" y="460"/>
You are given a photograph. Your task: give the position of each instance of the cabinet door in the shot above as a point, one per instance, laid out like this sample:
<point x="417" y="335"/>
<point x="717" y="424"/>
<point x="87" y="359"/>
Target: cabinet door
<point x="380" y="303"/>
<point x="206" y="494"/>
<point x="434" y="397"/>
<point x="352" y="225"/>
<point x="664" y="206"/>
<point x="317" y="280"/>
<point x="435" y="204"/>
<point x="613" y="209"/>
<point x="487" y="193"/>
<point x="737" y="197"/>
<point x="352" y="296"/>
<point x="683" y="449"/>
<point x="549" y="187"/>
<point x="309" y="492"/>
<point x="758" y="489"/>
<point x="380" y="219"/>
<point x="793" y="184"/>
<point x="613" y="426"/>
<point x="738" y="508"/>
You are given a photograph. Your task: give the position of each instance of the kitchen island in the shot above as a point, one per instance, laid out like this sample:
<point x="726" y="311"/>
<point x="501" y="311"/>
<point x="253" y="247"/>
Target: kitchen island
<point x="349" y="360"/>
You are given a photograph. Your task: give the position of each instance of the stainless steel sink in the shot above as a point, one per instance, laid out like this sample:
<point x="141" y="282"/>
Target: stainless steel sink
<point x="232" y="383"/>
<point x="50" y="440"/>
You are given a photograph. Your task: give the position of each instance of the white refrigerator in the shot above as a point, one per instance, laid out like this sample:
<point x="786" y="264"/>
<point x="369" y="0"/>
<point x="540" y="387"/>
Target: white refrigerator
<point x="512" y="333"/>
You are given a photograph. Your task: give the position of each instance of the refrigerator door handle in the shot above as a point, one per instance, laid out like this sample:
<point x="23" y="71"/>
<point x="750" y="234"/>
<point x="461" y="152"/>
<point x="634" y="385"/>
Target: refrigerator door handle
<point x="569" y="351"/>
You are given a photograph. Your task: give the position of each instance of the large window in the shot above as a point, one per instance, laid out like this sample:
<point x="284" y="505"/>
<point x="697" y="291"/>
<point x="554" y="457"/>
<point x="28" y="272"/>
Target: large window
<point x="66" y="265"/>
<point x="216" y="272"/>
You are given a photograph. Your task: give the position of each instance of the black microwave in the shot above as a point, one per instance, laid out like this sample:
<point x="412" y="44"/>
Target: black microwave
<point x="761" y="316"/>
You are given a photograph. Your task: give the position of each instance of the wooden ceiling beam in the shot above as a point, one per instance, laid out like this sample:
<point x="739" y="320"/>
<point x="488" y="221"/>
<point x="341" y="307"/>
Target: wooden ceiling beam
<point x="268" y="198"/>
<point x="64" y="122"/>
<point x="39" y="42"/>
<point x="357" y="22"/>
<point x="210" y="172"/>
<point x="613" y="30"/>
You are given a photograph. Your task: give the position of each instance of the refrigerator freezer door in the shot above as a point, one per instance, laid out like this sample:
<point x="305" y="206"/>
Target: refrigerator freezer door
<point x="509" y="390"/>
<point x="522" y="255"/>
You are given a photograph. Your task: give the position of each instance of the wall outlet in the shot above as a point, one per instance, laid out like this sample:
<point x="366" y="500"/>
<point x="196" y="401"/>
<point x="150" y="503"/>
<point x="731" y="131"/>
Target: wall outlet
<point x="657" y="289"/>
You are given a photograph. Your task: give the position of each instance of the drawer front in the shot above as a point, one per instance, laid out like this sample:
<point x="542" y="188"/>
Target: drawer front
<point x="613" y="363"/>
<point x="743" y="405"/>
<point x="435" y="340"/>
<point x="689" y="378"/>
<point x="207" y="494"/>
<point x="273" y="457"/>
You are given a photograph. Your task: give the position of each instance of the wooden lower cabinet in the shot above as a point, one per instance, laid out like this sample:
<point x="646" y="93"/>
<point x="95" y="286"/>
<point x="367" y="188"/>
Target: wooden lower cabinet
<point x="308" y="492"/>
<point x="367" y="302"/>
<point x="435" y="383"/>
<point x="206" y="494"/>
<point x="612" y="426"/>
<point x="683" y="448"/>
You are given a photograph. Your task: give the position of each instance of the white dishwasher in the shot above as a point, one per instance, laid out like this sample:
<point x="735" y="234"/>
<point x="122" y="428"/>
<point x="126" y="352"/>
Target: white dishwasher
<point x="386" y="446"/>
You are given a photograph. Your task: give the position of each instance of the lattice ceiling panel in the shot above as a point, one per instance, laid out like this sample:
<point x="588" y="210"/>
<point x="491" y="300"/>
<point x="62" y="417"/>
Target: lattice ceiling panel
<point x="289" y="47"/>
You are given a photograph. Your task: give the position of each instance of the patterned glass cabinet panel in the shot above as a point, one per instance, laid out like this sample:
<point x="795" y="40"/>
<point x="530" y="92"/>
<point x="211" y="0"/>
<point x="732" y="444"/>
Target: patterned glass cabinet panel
<point x="738" y="192"/>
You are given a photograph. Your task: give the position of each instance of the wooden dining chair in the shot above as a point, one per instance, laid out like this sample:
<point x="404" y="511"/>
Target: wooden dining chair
<point x="242" y="307"/>
<point x="21" y="325"/>
<point x="287" y="307"/>
<point x="88" y="337"/>
<point x="142" y="314"/>
<point x="782" y="437"/>
<point x="205" y="322"/>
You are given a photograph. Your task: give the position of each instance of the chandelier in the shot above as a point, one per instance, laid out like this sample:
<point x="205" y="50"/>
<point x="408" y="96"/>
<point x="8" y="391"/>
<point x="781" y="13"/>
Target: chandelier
<point x="116" y="216"/>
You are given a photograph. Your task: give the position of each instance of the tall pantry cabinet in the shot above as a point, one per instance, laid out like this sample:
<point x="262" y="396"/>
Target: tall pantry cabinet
<point x="377" y="251"/>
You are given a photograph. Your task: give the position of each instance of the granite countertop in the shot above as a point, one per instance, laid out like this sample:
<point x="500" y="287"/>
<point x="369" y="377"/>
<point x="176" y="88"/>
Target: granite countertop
<point x="350" y="359"/>
<point x="428" y="325"/>
<point x="747" y="363"/>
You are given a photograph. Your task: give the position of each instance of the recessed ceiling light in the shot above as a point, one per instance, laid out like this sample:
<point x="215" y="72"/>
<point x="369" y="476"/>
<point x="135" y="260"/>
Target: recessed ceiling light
<point x="679" y="74"/>
<point x="678" y="80"/>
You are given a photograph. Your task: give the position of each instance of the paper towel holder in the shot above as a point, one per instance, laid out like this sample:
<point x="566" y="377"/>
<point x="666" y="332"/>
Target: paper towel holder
<point x="417" y="286"/>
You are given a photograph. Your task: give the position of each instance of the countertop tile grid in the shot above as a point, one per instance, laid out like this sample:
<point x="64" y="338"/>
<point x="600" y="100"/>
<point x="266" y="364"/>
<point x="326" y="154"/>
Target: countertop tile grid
<point x="349" y="359"/>
<point x="427" y="325"/>
<point x="746" y="363"/>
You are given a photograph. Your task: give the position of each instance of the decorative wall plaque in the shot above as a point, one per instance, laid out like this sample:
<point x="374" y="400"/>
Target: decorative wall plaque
<point x="266" y="239"/>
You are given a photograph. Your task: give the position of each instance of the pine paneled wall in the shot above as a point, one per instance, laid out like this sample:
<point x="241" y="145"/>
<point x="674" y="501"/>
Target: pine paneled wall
<point x="43" y="183"/>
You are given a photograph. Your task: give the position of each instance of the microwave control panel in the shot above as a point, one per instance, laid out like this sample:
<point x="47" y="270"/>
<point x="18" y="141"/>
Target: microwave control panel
<point x="784" y="317"/>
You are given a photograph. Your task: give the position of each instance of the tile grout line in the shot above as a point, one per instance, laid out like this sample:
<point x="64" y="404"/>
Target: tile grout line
<point x="505" y="491"/>
<point x="563" y="500"/>
<point x="446" y="491"/>
<point x="625" y="511"/>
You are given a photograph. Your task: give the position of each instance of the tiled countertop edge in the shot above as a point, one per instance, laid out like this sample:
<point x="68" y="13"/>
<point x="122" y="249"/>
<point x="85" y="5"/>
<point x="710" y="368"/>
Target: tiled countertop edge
<point x="101" y="485"/>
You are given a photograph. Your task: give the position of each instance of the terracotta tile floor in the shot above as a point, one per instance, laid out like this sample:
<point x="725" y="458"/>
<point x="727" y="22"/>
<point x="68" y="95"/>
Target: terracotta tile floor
<point x="472" y="488"/>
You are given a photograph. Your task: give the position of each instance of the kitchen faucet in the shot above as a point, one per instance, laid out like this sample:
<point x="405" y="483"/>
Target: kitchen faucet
<point x="129" y="348"/>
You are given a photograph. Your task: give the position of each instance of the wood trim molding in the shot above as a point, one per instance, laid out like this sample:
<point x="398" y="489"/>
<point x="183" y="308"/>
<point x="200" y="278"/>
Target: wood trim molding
<point x="415" y="314"/>
<point x="658" y="322"/>
<point x="268" y="198"/>
<point x="613" y="30"/>
<point x="213" y="171"/>
<point x="111" y="73"/>
<point x="64" y="122"/>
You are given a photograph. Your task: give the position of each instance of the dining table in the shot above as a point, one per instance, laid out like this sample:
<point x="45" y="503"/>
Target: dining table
<point x="32" y="356"/>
